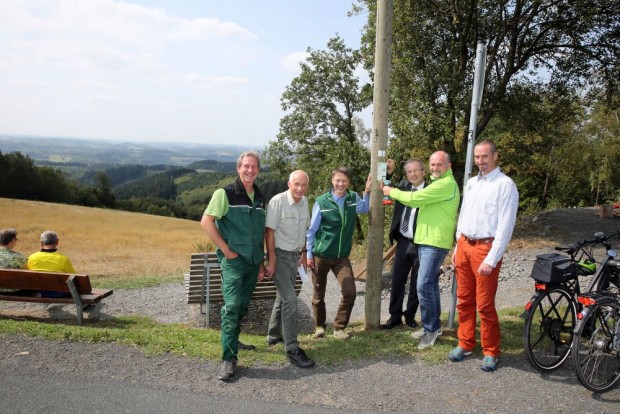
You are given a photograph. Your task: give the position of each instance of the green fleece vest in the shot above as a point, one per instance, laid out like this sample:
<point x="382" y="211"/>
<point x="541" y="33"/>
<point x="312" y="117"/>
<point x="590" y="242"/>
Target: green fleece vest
<point x="243" y="227"/>
<point x="335" y="234"/>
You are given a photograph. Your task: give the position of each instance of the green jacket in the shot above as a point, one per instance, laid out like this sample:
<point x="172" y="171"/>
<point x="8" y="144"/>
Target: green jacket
<point x="335" y="234"/>
<point x="437" y="206"/>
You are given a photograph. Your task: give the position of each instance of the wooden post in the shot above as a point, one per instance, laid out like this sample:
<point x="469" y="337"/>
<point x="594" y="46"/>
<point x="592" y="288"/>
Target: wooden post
<point x="381" y="98"/>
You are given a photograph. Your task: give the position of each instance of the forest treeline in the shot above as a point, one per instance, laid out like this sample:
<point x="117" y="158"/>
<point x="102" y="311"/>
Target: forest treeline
<point x="172" y="191"/>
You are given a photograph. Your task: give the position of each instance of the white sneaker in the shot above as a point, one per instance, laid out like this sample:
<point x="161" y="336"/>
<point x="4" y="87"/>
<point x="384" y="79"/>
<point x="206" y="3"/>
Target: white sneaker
<point x="319" y="332"/>
<point x="429" y="339"/>
<point x="341" y="334"/>
<point x="420" y="333"/>
<point x="417" y="334"/>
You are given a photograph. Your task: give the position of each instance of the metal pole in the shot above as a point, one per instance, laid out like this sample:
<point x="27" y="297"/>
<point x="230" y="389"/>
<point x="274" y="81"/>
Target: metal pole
<point x="479" y="70"/>
<point x="378" y="165"/>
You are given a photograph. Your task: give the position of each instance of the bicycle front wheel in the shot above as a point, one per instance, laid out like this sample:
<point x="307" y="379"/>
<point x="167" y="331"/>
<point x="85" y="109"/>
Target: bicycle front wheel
<point x="548" y="331"/>
<point x="596" y="354"/>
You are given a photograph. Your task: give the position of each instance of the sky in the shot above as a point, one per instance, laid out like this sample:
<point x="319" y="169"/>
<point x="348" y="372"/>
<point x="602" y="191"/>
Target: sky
<point x="205" y="71"/>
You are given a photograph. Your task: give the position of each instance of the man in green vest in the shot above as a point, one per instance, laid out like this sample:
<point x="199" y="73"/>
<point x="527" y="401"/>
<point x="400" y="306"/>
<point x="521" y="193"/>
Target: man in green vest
<point x="328" y="245"/>
<point x="235" y="223"/>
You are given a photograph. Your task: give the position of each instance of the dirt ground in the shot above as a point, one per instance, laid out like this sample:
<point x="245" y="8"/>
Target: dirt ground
<point x="563" y="226"/>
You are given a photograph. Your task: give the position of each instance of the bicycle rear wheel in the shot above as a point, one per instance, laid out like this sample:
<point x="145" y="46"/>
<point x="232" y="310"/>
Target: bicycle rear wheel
<point x="596" y="354"/>
<point x="548" y="331"/>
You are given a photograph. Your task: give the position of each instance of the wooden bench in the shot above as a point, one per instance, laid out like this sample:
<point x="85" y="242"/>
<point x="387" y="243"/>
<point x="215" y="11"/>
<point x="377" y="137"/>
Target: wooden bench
<point x="30" y="282"/>
<point x="203" y="283"/>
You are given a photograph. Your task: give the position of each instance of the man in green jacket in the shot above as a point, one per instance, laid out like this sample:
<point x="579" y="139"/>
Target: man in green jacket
<point x="235" y="223"/>
<point x="328" y="245"/>
<point x="437" y="206"/>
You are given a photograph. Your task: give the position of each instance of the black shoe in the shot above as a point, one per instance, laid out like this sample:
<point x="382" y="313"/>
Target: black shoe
<point x="391" y="323"/>
<point x="276" y="341"/>
<point x="227" y="370"/>
<point x="243" y="347"/>
<point x="411" y="323"/>
<point x="299" y="358"/>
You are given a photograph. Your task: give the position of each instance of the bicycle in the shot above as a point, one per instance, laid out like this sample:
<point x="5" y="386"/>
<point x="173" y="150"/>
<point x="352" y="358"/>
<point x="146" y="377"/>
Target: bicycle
<point x="596" y="341"/>
<point x="550" y="314"/>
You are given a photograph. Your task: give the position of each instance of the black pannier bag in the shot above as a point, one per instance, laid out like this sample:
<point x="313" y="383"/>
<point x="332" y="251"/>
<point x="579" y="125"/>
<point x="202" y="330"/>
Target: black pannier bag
<point x="553" y="268"/>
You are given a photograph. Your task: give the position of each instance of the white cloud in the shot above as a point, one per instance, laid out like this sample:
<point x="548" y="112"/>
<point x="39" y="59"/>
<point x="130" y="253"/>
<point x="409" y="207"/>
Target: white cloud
<point x="291" y="61"/>
<point x="111" y="20"/>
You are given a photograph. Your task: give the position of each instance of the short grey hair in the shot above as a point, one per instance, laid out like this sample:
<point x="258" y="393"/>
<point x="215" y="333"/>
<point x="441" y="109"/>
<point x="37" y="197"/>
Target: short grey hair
<point x="49" y="237"/>
<point x="248" y="154"/>
<point x="302" y="172"/>
<point x="412" y="160"/>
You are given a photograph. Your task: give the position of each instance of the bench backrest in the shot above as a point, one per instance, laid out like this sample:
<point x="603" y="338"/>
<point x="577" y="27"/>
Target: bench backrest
<point x="35" y="280"/>
<point x="265" y="289"/>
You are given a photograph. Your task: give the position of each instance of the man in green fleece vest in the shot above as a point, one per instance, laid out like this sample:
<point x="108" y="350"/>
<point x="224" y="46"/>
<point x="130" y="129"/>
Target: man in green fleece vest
<point x="437" y="206"/>
<point x="328" y="245"/>
<point x="235" y="223"/>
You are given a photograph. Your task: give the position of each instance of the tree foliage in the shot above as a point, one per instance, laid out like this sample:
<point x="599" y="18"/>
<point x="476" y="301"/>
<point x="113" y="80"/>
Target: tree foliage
<point x="320" y="130"/>
<point x="565" y="43"/>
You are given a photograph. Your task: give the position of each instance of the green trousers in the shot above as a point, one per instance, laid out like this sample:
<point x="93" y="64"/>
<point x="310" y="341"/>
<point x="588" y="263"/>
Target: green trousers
<point x="238" y="283"/>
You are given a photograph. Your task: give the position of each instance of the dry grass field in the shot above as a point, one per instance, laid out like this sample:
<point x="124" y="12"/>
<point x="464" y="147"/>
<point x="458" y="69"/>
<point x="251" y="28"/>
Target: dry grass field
<point x="107" y="244"/>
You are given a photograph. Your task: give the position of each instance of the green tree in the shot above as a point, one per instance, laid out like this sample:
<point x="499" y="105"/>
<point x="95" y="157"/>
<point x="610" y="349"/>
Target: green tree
<point x="104" y="190"/>
<point x="557" y="42"/>
<point x="602" y="136"/>
<point x="321" y="129"/>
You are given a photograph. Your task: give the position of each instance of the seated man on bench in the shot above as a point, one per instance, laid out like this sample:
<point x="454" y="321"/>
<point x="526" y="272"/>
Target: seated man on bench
<point x="49" y="260"/>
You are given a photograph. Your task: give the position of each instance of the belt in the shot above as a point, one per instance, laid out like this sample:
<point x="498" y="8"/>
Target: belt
<point x="478" y="241"/>
<point x="292" y="253"/>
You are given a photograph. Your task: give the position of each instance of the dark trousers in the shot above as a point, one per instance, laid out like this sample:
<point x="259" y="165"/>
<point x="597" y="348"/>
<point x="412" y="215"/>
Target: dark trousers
<point x="344" y="274"/>
<point x="405" y="263"/>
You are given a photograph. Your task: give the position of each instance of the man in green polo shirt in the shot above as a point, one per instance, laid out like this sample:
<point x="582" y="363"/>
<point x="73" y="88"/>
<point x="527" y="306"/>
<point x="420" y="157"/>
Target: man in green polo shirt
<point x="235" y="223"/>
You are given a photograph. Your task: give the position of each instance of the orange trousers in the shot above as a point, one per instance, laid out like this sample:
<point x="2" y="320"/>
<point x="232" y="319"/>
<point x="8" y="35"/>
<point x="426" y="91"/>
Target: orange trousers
<point x="476" y="292"/>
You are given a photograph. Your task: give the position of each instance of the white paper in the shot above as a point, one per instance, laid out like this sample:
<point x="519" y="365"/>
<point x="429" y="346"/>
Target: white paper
<point x="302" y="273"/>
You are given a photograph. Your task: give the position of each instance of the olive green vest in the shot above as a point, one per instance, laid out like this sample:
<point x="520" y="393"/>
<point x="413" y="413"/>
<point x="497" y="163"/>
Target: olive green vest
<point x="335" y="234"/>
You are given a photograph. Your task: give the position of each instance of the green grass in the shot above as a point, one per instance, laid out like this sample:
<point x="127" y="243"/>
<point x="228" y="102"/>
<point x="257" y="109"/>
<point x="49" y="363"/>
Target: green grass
<point x="134" y="282"/>
<point x="157" y="338"/>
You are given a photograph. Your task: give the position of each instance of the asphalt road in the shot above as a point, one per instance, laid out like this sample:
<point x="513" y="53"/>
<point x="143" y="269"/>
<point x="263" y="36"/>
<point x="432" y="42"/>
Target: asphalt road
<point x="34" y="391"/>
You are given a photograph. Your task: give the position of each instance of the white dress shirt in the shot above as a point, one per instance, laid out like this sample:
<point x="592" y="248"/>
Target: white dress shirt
<point x="409" y="233"/>
<point x="489" y="209"/>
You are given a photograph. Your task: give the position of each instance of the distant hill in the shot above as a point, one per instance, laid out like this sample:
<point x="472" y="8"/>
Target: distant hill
<point x="91" y="151"/>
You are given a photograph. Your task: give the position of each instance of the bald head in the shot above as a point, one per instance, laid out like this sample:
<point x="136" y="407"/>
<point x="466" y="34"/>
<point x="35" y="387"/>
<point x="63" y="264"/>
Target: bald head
<point x="439" y="163"/>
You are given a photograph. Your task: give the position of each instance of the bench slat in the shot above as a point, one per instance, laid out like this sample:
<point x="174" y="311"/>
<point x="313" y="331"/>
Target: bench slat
<point x="265" y="289"/>
<point x="35" y="280"/>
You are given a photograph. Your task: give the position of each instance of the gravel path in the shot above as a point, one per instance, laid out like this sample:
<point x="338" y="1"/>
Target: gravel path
<point x="391" y="384"/>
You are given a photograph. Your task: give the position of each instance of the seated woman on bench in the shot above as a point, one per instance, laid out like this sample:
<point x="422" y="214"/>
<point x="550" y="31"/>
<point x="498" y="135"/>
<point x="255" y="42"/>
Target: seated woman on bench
<point x="49" y="260"/>
<point x="10" y="259"/>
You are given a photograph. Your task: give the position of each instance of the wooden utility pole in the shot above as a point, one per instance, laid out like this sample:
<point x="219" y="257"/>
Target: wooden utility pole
<point x="381" y="99"/>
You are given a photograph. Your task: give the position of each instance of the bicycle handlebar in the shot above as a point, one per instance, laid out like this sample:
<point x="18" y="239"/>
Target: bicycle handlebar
<point x="600" y="238"/>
